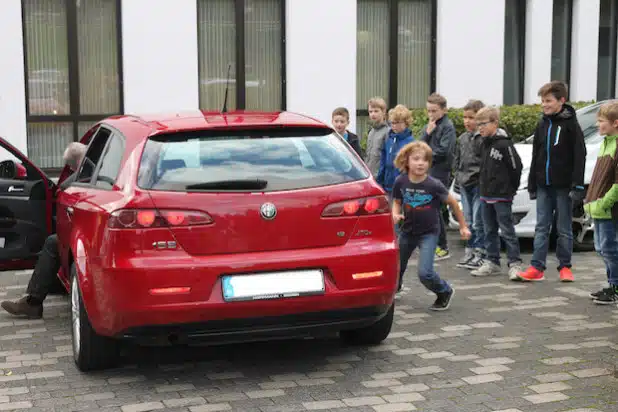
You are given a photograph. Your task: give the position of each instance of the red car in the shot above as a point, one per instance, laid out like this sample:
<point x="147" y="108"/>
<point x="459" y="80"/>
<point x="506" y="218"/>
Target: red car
<point x="203" y="225"/>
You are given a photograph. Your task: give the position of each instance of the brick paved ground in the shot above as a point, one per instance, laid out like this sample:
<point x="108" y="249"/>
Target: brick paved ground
<point x="502" y="347"/>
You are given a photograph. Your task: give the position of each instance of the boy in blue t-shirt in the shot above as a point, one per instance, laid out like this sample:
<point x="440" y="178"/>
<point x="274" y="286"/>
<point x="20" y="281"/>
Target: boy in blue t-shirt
<point x="417" y="199"/>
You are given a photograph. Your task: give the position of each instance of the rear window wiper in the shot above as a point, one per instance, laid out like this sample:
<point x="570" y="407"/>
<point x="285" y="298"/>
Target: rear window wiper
<point x="232" y="184"/>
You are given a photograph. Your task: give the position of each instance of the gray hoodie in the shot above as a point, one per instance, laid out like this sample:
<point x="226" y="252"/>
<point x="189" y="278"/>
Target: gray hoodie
<point x="375" y="141"/>
<point x="468" y="158"/>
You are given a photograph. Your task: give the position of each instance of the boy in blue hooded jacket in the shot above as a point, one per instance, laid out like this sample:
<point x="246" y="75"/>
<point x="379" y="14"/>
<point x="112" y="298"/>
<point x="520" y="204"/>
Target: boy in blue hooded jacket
<point x="398" y="136"/>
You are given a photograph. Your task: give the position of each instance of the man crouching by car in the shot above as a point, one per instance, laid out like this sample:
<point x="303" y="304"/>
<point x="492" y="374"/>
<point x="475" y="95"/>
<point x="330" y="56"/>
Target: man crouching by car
<point x="48" y="264"/>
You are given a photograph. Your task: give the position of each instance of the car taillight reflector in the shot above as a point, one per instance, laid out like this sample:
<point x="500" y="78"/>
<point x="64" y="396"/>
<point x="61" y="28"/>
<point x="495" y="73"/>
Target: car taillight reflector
<point x="170" y="291"/>
<point x="357" y="207"/>
<point x="149" y="218"/>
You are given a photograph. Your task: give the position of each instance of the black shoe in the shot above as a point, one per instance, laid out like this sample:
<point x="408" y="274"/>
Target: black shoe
<point x="443" y="301"/>
<point x="24" y="307"/>
<point x="595" y="295"/>
<point x="607" y="296"/>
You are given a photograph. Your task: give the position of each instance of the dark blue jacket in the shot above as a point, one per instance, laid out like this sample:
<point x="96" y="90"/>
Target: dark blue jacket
<point x="392" y="145"/>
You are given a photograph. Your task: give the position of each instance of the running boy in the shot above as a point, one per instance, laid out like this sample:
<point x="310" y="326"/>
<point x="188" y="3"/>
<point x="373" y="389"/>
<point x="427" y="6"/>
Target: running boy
<point x="467" y="171"/>
<point x="417" y="198"/>
<point x="499" y="180"/>
<point x="341" y="121"/>
<point x="377" y="134"/>
<point x="399" y="136"/>
<point x="601" y="202"/>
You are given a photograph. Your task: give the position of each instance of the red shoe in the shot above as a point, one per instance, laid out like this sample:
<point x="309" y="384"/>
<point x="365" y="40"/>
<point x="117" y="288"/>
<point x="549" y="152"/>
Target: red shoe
<point x="566" y="275"/>
<point x="531" y="274"/>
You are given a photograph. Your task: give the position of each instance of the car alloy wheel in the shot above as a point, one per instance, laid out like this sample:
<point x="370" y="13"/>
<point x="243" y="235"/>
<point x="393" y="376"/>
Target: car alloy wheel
<point x="75" y="316"/>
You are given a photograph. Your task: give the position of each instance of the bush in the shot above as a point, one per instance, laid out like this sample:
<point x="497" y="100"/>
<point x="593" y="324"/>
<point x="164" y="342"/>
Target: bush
<point x="518" y="120"/>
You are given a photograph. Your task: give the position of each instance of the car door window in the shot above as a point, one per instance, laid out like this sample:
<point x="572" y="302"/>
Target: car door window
<point x="110" y="163"/>
<point x="93" y="155"/>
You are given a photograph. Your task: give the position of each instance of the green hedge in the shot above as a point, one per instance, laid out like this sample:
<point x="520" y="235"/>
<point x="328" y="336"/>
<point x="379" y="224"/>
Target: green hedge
<point x="518" y="120"/>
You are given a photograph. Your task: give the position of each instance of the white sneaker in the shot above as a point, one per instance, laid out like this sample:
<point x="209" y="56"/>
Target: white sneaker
<point x="487" y="269"/>
<point x="514" y="271"/>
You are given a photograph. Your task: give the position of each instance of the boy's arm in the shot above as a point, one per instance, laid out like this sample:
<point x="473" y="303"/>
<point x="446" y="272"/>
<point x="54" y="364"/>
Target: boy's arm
<point x="511" y="157"/>
<point x="579" y="159"/>
<point x="532" y="171"/>
<point x="611" y="197"/>
<point x="381" y="170"/>
<point x="445" y="138"/>
<point x="457" y="154"/>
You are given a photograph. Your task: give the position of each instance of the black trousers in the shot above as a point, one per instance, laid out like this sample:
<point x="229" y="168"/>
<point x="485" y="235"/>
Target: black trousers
<point x="45" y="271"/>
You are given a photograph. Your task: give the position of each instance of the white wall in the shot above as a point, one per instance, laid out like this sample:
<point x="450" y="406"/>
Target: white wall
<point x="468" y="31"/>
<point x="160" y="55"/>
<point x="584" y="50"/>
<point x="321" y="57"/>
<point x="538" y="47"/>
<point x="12" y="83"/>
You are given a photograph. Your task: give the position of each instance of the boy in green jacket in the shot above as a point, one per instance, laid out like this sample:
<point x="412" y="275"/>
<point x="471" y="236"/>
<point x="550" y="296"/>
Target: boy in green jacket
<point x="601" y="202"/>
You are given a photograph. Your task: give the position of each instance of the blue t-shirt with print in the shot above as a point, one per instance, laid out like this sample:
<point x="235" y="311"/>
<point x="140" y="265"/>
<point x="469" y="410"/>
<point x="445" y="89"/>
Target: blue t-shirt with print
<point x="420" y="203"/>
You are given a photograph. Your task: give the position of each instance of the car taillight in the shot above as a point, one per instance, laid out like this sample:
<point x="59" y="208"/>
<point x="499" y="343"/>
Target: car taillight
<point x="149" y="218"/>
<point x="357" y="207"/>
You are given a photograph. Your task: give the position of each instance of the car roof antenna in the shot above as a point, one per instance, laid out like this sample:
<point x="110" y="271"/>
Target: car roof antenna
<point x="227" y="87"/>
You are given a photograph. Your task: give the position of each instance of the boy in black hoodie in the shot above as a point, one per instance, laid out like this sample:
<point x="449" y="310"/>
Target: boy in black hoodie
<point x="499" y="179"/>
<point x="341" y="121"/>
<point x="556" y="180"/>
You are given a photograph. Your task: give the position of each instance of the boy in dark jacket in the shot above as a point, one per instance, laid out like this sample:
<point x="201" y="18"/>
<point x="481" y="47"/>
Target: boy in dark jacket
<point x="399" y="136"/>
<point x="441" y="136"/>
<point x="341" y="121"/>
<point x="499" y="179"/>
<point x="556" y="180"/>
<point x="468" y="156"/>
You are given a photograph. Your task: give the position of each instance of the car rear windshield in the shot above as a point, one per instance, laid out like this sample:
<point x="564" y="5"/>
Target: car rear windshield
<point x="248" y="160"/>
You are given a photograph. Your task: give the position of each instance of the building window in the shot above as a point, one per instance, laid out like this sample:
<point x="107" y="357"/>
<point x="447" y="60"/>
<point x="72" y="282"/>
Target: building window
<point x="396" y="50"/>
<point x="73" y="62"/>
<point x="608" y="23"/>
<point x="514" y="51"/>
<point x="562" y="26"/>
<point x="247" y="37"/>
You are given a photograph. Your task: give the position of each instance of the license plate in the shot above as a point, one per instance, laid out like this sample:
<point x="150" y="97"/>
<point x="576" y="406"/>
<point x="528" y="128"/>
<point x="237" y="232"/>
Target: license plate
<point x="273" y="285"/>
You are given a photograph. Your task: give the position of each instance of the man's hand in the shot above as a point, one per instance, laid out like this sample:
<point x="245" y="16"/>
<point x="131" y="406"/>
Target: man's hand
<point x="532" y="195"/>
<point x="431" y="126"/>
<point x="577" y="195"/>
<point x="397" y="218"/>
<point x="465" y="233"/>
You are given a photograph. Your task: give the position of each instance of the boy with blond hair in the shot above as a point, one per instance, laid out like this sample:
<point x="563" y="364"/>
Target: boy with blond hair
<point x="341" y="121"/>
<point x="441" y="136"/>
<point x="499" y="180"/>
<point x="398" y="136"/>
<point x="417" y="198"/>
<point x="377" y="134"/>
<point x="601" y="202"/>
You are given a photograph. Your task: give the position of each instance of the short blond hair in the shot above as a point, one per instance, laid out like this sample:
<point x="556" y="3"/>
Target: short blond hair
<point x="378" y="102"/>
<point x="491" y="114"/>
<point x="400" y="113"/>
<point x="436" y="98"/>
<point x="609" y="111"/>
<point x="401" y="161"/>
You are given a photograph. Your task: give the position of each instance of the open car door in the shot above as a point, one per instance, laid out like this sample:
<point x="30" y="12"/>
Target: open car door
<point x="26" y="209"/>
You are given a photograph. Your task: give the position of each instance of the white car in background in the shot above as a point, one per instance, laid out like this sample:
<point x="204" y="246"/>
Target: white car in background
<point x="524" y="209"/>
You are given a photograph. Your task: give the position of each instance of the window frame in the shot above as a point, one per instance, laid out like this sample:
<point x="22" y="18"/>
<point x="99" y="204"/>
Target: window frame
<point x="116" y="135"/>
<point x="74" y="117"/>
<point x="393" y="52"/>
<point x="569" y="41"/>
<point x="522" y="10"/>
<point x="240" y="66"/>
<point x="613" y="28"/>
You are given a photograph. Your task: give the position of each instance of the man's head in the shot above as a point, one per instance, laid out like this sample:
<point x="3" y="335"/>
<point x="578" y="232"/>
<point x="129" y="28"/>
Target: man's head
<point x="400" y="118"/>
<point x="436" y="107"/>
<point x="607" y="119"/>
<point x="487" y="120"/>
<point x="553" y="96"/>
<point x="74" y="154"/>
<point x="377" y="110"/>
<point x="341" y="119"/>
<point x="469" y="114"/>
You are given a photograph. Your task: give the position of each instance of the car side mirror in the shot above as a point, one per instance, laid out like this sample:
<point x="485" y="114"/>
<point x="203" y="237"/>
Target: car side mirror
<point x="12" y="170"/>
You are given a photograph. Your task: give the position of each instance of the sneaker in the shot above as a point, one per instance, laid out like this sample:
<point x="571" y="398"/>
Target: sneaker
<point x="467" y="258"/>
<point x="23" y="307"/>
<point x="514" y="271"/>
<point x="566" y="275"/>
<point x="595" y="295"/>
<point x="608" y="296"/>
<point x="487" y="269"/>
<point x="476" y="262"/>
<point x="531" y="274"/>
<point x="443" y="301"/>
<point x="442" y="254"/>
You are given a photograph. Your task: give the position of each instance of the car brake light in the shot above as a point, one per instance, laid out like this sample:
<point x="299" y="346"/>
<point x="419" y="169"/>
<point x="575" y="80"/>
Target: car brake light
<point x="357" y="207"/>
<point x="150" y="218"/>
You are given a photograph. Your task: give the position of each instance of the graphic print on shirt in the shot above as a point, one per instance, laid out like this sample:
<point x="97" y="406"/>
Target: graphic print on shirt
<point x="417" y="199"/>
<point x="495" y="154"/>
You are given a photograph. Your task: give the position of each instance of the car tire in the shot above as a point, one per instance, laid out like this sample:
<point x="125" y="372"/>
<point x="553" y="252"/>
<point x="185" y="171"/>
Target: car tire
<point x="90" y="350"/>
<point x="372" y="334"/>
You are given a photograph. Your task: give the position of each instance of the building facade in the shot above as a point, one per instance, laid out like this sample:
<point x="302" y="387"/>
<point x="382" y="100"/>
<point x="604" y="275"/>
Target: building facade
<point x="68" y="63"/>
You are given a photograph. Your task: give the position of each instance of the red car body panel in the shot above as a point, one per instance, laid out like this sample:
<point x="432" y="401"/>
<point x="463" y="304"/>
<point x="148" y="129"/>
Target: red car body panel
<point x="118" y="268"/>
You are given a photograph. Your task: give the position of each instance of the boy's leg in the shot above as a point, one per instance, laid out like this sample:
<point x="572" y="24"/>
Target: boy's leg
<point x="492" y="237"/>
<point x="608" y="248"/>
<point x="564" y="226"/>
<point x="545" y="205"/>
<point x="477" y="220"/>
<point x="597" y="246"/>
<point x="407" y="244"/>
<point x="466" y="203"/>
<point x="442" y="250"/>
<point x="429" y="277"/>
<point x="504" y="213"/>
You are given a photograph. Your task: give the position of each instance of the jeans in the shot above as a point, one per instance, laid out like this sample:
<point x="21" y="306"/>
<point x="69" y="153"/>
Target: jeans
<point x="549" y="201"/>
<point x="606" y="244"/>
<point x="442" y="242"/>
<point x="473" y="213"/>
<point x="45" y="271"/>
<point x="499" y="216"/>
<point x="427" y="249"/>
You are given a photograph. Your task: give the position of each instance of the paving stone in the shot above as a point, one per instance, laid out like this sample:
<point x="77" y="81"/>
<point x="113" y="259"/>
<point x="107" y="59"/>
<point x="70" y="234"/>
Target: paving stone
<point x="546" y="397"/>
<point x="364" y="401"/>
<point x="323" y="405"/>
<point x="395" y="407"/>
<point x="550" y="387"/>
